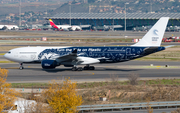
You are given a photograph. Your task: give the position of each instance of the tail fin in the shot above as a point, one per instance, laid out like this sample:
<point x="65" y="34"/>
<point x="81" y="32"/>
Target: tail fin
<point x="154" y="36"/>
<point x="52" y="24"/>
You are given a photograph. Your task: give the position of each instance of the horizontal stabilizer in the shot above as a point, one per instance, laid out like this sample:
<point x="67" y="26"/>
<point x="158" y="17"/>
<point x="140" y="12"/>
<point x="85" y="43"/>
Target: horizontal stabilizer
<point x="169" y="46"/>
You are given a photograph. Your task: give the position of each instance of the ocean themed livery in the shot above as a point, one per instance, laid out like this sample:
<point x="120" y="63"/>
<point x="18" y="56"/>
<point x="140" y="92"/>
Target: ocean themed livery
<point x="51" y="57"/>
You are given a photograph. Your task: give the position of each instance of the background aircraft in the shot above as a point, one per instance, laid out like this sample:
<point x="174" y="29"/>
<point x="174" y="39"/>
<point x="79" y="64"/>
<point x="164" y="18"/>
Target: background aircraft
<point x="9" y="27"/>
<point x="51" y="57"/>
<point x="107" y="27"/>
<point x="67" y="27"/>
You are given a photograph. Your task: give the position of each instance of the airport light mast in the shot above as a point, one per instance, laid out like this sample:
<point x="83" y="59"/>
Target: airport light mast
<point x="70" y="14"/>
<point x="125" y="18"/>
<point x="20" y="13"/>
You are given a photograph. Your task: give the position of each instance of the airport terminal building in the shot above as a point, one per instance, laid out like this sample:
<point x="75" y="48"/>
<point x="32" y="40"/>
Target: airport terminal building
<point x="110" y="19"/>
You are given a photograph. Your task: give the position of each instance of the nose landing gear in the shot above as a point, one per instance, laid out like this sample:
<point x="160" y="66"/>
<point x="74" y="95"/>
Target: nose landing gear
<point x="21" y="66"/>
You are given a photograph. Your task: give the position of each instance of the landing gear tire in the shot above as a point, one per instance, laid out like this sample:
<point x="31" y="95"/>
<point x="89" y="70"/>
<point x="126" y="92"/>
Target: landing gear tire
<point x="21" y="67"/>
<point x="74" y="69"/>
<point x="89" y="68"/>
<point x="86" y="68"/>
<point x="79" y="69"/>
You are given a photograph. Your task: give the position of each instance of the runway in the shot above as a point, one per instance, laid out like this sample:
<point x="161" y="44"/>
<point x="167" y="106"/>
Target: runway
<point x="94" y="44"/>
<point x="34" y="72"/>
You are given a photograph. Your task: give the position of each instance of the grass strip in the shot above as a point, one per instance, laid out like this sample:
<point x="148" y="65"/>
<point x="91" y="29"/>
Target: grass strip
<point x="7" y="62"/>
<point x="28" y="85"/>
<point x="2" y="53"/>
<point x="101" y="84"/>
<point x="157" y="59"/>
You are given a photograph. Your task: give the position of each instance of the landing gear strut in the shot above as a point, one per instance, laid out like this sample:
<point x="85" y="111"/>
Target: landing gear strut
<point x="21" y="66"/>
<point x="87" y="67"/>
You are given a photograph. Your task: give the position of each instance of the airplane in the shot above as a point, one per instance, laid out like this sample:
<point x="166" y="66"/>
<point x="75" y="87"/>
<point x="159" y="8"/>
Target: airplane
<point x="107" y="27"/>
<point x="142" y="28"/>
<point x="67" y="27"/>
<point x="9" y="27"/>
<point x="51" y="57"/>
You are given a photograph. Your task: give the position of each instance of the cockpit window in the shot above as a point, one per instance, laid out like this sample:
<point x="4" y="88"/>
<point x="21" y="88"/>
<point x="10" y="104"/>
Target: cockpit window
<point x="9" y="52"/>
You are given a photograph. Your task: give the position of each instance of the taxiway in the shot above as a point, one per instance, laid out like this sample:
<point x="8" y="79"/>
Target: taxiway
<point x="34" y="72"/>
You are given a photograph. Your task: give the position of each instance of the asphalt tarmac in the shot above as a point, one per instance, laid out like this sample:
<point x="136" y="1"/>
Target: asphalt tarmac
<point x="88" y="34"/>
<point x="94" y="44"/>
<point x="103" y="72"/>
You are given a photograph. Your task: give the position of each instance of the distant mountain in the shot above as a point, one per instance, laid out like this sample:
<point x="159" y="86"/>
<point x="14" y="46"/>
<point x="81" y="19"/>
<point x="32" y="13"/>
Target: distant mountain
<point x="75" y="8"/>
<point x="118" y="6"/>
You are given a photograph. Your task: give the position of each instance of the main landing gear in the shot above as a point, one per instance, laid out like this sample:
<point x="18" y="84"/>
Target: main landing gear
<point x="21" y="66"/>
<point x="77" y="68"/>
<point x="87" y="67"/>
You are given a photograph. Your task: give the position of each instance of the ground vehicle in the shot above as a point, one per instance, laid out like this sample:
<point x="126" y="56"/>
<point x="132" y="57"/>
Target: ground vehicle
<point x="22" y="106"/>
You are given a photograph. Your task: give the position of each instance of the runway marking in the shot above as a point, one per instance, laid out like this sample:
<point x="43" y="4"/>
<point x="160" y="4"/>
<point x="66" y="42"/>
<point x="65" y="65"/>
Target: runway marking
<point x="12" y="68"/>
<point x="89" y="72"/>
<point x="76" y="76"/>
<point x="115" y="67"/>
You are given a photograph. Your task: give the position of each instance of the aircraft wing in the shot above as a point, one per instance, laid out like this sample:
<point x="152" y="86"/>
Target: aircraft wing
<point x="69" y="56"/>
<point x="74" y="58"/>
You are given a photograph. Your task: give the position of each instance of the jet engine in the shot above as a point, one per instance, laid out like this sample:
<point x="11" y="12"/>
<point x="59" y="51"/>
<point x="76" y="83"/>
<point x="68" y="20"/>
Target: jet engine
<point x="49" y="64"/>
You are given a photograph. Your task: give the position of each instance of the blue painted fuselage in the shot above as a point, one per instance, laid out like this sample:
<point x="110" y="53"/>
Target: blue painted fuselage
<point x="104" y="54"/>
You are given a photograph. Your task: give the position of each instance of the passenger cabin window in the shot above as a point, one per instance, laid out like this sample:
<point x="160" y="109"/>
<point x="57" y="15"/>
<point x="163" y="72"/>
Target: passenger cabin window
<point x="27" y="52"/>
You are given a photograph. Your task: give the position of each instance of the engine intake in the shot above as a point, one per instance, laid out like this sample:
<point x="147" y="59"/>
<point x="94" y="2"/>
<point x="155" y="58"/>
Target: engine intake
<point x="49" y="64"/>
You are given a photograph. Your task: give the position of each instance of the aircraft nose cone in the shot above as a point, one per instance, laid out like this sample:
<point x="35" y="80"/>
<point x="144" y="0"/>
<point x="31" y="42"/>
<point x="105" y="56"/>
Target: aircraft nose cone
<point x="5" y="55"/>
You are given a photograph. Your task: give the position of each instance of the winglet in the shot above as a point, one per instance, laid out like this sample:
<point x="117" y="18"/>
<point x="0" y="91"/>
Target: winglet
<point x="154" y="36"/>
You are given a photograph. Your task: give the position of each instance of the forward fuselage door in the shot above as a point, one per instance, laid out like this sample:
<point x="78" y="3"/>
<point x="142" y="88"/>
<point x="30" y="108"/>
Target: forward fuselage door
<point x="128" y="53"/>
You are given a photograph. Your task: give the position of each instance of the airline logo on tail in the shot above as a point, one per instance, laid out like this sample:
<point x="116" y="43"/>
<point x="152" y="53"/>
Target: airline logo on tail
<point x="155" y="39"/>
<point x="52" y="24"/>
<point x="156" y="32"/>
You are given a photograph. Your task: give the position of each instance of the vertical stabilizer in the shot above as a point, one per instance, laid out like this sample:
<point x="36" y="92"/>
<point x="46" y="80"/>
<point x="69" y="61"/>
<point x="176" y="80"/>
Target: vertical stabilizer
<point x="154" y="36"/>
<point x="53" y="24"/>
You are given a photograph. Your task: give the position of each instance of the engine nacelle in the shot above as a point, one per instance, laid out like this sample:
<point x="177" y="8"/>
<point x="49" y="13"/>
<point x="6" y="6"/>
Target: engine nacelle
<point x="68" y="65"/>
<point x="49" y="64"/>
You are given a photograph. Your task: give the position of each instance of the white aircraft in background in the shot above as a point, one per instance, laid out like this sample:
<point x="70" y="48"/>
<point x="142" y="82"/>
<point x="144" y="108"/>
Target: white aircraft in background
<point x="9" y="27"/>
<point x="51" y="57"/>
<point x="67" y="27"/>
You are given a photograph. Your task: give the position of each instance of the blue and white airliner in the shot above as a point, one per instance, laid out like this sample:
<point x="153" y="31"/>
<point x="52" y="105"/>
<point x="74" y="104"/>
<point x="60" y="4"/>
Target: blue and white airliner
<point x="51" y="57"/>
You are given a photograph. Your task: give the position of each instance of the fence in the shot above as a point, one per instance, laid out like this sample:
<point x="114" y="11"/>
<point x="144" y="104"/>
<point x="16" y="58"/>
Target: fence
<point x="128" y="106"/>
